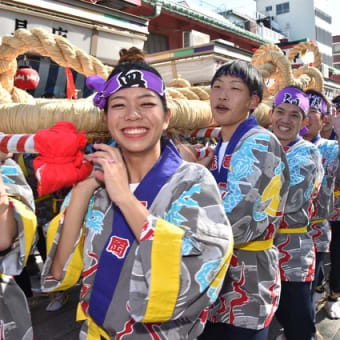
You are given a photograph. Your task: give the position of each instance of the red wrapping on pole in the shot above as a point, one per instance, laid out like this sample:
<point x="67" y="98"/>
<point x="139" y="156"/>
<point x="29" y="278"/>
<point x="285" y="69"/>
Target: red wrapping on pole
<point x="70" y="87"/>
<point x="61" y="160"/>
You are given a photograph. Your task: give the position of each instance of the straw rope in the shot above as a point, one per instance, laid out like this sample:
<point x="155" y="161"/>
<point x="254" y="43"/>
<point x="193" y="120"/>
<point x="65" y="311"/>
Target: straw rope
<point x="189" y="105"/>
<point x="309" y="78"/>
<point x="190" y="114"/>
<point x="54" y="46"/>
<point x="179" y="82"/>
<point x="262" y="115"/>
<point x="273" y="64"/>
<point x="306" y="46"/>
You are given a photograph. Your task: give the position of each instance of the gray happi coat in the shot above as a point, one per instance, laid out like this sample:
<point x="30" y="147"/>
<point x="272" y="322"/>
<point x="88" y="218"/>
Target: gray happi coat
<point x="188" y="205"/>
<point x="15" y="318"/>
<point x="254" y="199"/>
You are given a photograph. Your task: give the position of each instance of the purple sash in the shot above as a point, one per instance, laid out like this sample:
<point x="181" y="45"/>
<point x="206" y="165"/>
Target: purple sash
<point x="119" y="242"/>
<point x="333" y="135"/>
<point x="316" y="139"/>
<point x="221" y="175"/>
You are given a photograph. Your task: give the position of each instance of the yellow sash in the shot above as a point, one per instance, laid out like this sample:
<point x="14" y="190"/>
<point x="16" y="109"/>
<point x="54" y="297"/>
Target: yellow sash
<point x="54" y="204"/>
<point x="337" y="193"/>
<point x="22" y="165"/>
<point x="256" y="245"/>
<point x="39" y="199"/>
<point x="94" y="331"/>
<point x="318" y="221"/>
<point x="301" y="230"/>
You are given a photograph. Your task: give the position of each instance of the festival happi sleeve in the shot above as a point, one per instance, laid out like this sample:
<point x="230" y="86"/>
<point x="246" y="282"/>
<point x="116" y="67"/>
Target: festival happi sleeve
<point x="306" y="172"/>
<point x="74" y="264"/>
<point x="184" y="252"/>
<point x="337" y="161"/>
<point x="319" y="173"/>
<point x="20" y="195"/>
<point x="257" y="187"/>
<point x="330" y="151"/>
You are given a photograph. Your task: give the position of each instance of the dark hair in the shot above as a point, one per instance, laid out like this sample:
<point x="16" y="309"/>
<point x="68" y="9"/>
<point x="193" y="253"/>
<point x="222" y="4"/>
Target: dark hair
<point x="317" y="93"/>
<point x="133" y="58"/>
<point x="244" y="70"/>
<point x="293" y="87"/>
<point x="336" y="99"/>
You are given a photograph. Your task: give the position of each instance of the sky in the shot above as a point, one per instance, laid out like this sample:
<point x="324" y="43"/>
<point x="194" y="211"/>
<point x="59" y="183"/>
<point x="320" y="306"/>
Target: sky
<point x="247" y="6"/>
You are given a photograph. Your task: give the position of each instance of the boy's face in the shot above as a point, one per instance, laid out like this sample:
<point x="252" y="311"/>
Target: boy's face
<point x="327" y="126"/>
<point x="230" y="100"/>
<point x="338" y="110"/>
<point x="287" y="120"/>
<point x="315" y="123"/>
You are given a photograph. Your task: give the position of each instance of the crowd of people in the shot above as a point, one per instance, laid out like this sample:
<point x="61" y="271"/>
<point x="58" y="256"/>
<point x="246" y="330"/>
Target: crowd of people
<point x="168" y="246"/>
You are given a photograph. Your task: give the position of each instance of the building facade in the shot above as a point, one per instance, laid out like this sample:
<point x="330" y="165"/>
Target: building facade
<point x="301" y="19"/>
<point x="336" y="52"/>
<point x="98" y="30"/>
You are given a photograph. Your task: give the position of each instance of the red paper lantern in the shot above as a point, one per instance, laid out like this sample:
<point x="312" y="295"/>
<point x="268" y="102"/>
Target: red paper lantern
<point x="26" y="78"/>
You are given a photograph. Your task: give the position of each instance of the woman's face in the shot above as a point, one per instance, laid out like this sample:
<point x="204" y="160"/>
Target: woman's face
<point x="136" y="119"/>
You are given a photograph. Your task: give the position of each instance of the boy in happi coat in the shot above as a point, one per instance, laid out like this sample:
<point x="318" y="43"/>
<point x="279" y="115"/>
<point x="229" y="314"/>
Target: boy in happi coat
<point x="329" y="149"/>
<point x="327" y="130"/>
<point x="251" y="170"/>
<point x="155" y="244"/>
<point x="295" y="244"/>
<point x="333" y="304"/>
<point x="17" y="234"/>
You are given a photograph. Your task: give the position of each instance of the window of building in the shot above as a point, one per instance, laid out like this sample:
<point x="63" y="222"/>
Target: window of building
<point x="327" y="59"/>
<point x="336" y="48"/>
<point x="323" y="36"/>
<point x="322" y="15"/>
<point x="269" y="8"/>
<point x="282" y="8"/>
<point x="156" y="43"/>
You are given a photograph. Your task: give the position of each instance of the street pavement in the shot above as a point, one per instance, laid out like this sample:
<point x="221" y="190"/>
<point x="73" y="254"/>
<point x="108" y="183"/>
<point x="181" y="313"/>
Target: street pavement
<point x="58" y="325"/>
<point x="329" y="329"/>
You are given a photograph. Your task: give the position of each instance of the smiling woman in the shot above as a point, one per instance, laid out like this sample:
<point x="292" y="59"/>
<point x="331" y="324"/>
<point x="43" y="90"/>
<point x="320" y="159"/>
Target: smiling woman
<point x="147" y="232"/>
<point x="136" y="120"/>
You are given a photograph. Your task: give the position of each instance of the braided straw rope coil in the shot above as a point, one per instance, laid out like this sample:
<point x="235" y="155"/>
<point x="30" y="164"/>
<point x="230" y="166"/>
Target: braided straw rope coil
<point x="179" y="82"/>
<point x="256" y="58"/>
<point x="190" y="109"/>
<point x="21" y="113"/>
<point x="274" y="64"/>
<point x="262" y="114"/>
<point x="54" y="46"/>
<point x="303" y="46"/>
<point x="308" y="78"/>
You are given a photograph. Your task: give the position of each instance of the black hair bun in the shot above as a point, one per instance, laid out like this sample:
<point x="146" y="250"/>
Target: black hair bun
<point x="132" y="54"/>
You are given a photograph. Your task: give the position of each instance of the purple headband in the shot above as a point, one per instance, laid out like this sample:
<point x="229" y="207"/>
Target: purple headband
<point x="131" y="78"/>
<point x="337" y="105"/>
<point x="292" y="95"/>
<point x="318" y="103"/>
